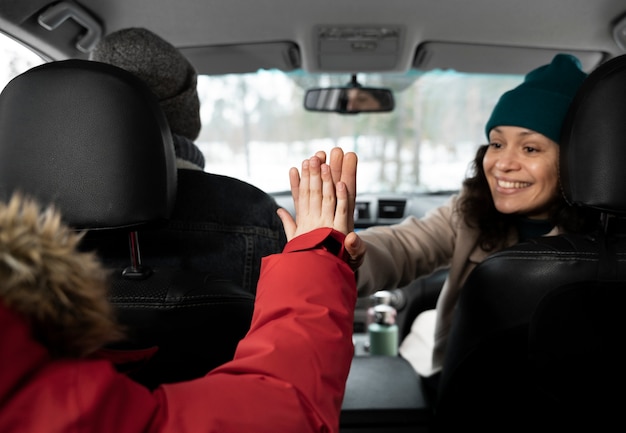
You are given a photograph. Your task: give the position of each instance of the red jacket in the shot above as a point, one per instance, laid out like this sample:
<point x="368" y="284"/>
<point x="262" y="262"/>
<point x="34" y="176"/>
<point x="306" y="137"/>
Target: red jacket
<point x="288" y="374"/>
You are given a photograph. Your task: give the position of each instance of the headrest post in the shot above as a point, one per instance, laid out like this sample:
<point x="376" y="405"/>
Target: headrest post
<point x="604" y="221"/>
<point x="136" y="271"/>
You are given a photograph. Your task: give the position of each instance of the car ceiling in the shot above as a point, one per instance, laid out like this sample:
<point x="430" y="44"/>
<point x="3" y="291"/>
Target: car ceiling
<point x="222" y="36"/>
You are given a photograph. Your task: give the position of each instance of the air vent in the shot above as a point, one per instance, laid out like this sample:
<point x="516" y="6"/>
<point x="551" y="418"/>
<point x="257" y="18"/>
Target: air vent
<point x="362" y="211"/>
<point x="391" y="209"/>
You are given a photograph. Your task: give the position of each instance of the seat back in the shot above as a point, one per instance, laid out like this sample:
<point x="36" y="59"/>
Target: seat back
<point x="537" y="332"/>
<point x="91" y="139"/>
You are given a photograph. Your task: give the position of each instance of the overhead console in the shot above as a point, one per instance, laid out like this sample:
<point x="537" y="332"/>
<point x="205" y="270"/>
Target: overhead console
<point x="347" y="48"/>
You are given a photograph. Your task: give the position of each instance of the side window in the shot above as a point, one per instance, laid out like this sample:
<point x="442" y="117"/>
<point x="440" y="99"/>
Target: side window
<point x="16" y="59"/>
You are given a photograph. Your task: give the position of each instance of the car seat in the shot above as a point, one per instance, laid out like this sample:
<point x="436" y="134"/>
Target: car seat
<point x="91" y="139"/>
<point x="536" y="340"/>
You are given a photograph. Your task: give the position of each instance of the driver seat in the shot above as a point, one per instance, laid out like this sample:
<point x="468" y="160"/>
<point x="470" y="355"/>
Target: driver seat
<point x="91" y="139"/>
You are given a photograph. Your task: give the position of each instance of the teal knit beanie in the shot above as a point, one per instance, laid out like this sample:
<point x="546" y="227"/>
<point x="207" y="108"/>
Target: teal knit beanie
<point x="542" y="100"/>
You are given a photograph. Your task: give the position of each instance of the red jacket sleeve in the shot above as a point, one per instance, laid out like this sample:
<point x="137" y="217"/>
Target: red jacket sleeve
<point x="289" y="372"/>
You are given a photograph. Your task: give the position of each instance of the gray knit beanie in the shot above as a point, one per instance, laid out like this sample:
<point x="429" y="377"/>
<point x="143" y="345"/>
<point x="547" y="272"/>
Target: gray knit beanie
<point x="166" y="71"/>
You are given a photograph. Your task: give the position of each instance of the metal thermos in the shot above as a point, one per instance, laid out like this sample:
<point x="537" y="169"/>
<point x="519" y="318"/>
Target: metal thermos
<point x="383" y="331"/>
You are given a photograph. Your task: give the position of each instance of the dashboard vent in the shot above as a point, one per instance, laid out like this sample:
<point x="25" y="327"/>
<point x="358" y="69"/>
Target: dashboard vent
<point x="362" y="211"/>
<point x="391" y="209"/>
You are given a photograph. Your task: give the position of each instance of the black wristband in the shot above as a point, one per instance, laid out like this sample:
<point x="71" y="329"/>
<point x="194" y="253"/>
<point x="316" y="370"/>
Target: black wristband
<point x="332" y="245"/>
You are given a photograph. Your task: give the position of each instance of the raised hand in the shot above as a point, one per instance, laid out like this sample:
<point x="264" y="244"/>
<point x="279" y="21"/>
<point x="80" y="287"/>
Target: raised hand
<point x="319" y="202"/>
<point x="343" y="167"/>
<point x="342" y="171"/>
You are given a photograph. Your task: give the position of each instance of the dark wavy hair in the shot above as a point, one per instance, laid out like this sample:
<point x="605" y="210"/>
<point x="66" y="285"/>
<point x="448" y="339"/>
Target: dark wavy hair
<point x="478" y="210"/>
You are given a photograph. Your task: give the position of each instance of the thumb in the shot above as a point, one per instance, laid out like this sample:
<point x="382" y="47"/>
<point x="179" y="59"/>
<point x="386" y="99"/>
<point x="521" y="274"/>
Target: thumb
<point x="355" y="248"/>
<point x="289" y="225"/>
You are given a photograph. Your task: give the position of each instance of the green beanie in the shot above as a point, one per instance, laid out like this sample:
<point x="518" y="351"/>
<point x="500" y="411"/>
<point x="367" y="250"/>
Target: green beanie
<point x="542" y="100"/>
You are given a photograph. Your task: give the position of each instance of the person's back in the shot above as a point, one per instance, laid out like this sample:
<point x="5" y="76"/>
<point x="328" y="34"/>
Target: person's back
<point x="220" y="224"/>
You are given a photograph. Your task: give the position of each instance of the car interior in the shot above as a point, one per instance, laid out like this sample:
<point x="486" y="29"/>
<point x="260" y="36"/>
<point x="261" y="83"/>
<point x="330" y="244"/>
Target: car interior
<point x="512" y="365"/>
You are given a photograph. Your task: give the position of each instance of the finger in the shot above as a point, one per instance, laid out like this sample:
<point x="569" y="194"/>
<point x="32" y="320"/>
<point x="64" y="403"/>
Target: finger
<point x="348" y="176"/>
<point x="303" y="190"/>
<point x="348" y="172"/>
<point x="336" y="163"/>
<point x="356" y="250"/>
<point x="329" y="200"/>
<point x="321" y="155"/>
<point x="341" y="212"/>
<point x="294" y="183"/>
<point x="353" y="244"/>
<point x="315" y="187"/>
<point x="289" y="225"/>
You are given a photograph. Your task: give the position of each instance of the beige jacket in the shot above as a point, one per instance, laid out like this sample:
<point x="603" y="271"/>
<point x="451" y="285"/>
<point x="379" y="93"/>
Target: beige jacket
<point x="399" y="253"/>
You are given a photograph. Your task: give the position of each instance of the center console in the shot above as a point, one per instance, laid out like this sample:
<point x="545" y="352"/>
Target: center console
<point x="383" y="394"/>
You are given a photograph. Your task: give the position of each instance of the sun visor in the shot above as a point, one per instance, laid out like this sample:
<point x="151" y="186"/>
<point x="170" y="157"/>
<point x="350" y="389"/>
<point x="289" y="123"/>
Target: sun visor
<point x="243" y="58"/>
<point x="493" y="59"/>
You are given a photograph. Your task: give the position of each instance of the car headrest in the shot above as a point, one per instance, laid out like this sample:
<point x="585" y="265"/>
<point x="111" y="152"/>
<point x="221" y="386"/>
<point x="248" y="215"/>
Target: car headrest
<point x="89" y="138"/>
<point x="593" y="141"/>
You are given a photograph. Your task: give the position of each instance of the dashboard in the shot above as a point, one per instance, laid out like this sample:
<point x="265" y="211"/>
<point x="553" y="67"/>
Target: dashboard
<point x="374" y="209"/>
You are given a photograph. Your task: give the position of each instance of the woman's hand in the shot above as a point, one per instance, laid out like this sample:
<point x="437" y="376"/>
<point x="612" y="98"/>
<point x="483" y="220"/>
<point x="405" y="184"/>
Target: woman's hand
<point x="355" y="248"/>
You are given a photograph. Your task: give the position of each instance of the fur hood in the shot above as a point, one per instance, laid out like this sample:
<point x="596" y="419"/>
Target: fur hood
<point x="59" y="291"/>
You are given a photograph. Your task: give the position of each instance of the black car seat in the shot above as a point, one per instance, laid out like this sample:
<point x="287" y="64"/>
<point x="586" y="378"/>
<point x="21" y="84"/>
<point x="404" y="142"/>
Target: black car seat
<point x="91" y="139"/>
<point x="536" y="343"/>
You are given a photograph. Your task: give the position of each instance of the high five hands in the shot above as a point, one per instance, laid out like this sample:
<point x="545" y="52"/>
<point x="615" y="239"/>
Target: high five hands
<point x="324" y="195"/>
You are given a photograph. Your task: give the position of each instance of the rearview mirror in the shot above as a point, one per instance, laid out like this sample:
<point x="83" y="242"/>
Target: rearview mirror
<point x="349" y="100"/>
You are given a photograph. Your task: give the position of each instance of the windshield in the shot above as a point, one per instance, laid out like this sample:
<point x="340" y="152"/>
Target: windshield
<point x="255" y="127"/>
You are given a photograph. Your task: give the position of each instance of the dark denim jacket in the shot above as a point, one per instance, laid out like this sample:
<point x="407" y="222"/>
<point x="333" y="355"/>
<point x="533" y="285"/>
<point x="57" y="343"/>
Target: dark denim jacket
<point x="220" y="226"/>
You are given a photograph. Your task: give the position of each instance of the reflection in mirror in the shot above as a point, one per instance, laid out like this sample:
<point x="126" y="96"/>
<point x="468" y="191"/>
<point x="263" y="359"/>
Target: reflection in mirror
<point x="349" y="100"/>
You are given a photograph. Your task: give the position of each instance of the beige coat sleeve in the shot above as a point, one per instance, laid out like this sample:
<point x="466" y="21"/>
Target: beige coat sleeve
<point x="399" y="253"/>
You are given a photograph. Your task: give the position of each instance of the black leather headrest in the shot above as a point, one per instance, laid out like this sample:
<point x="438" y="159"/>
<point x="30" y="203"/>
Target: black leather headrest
<point x="89" y="138"/>
<point x="593" y="141"/>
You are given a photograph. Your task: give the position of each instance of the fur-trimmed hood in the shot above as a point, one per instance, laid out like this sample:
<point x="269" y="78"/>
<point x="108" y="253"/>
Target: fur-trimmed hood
<point x="59" y="291"/>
